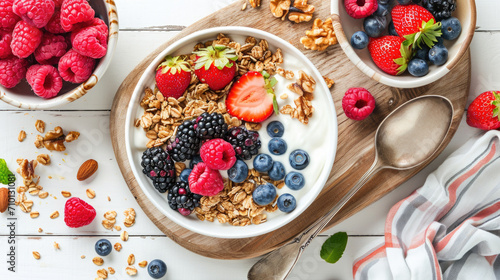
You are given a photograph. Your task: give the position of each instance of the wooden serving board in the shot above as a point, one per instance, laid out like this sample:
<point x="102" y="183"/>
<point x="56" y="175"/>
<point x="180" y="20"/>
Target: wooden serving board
<point x="355" y="151"/>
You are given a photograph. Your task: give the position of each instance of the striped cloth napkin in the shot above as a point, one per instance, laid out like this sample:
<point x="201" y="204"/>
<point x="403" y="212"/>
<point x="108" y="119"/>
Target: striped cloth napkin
<point x="450" y="227"/>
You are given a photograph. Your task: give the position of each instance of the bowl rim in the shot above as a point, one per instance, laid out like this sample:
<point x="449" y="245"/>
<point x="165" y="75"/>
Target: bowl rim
<point x="393" y="81"/>
<point x="138" y="91"/>
<point x="84" y="87"/>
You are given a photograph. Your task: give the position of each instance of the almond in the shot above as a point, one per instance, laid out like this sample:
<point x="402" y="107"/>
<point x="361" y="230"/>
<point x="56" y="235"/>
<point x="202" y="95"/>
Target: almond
<point x="87" y="169"/>
<point x="4" y="199"/>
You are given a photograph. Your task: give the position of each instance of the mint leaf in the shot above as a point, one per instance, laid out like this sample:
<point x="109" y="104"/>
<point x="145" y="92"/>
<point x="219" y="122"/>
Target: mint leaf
<point x="334" y="247"/>
<point x="5" y="173"/>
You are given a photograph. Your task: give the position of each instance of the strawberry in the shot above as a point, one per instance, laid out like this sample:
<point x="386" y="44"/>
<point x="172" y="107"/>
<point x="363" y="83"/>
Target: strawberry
<point x="484" y="111"/>
<point x="252" y="97"/>
<point x="390" y="54"/>
<point x="173" y="77"/>
<point x="214" y="66"/>
<point x="416" y="24"/>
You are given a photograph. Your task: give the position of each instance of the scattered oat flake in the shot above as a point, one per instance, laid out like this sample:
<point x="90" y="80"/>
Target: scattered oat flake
<point x="143" y="263"/>
<point x="98" y="261"/>
<point x="131" y="270"/>
<point x="36" y="255"/>
<point x="22" y="136"/>
<point x="111" y="270"/>
<point x="82" y="257"/>
<point x="40" y="230"/>
<point x="56" y="245"/>
<point x="284" y="96"/>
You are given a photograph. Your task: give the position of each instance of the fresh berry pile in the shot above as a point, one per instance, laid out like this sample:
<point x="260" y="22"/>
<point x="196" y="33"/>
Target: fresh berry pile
<point x="411" y="38"/>
<point x="48" y="42"/>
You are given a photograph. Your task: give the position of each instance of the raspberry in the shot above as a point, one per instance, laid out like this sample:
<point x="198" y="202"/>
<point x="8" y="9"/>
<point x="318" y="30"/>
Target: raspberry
<point x="78" y="213"/>
<point x="51" y="49"/>
<point x="218" y="154"/>
<point x="12" y="71"/>
<point x="205" y="180"/>
<point x="75" y="68"/>
<point x="90" y="41"/>
<point x="44" y="80"/>
<point x="35" y="12"/>
<point x="358" y="103"/>
<point x="5" y="39"/>
<point x="54" y="25"/>
<point x="74" y="12"/>
<point x="25" y="39"/>
<point x="58" y="3"/>
<point x="7" y="17"/>
<point x="95" y="22"/>
<point x="360" y="9"/>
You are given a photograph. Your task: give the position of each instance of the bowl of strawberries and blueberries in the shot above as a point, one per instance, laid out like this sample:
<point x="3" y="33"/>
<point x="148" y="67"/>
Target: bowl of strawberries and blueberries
<point x="405" y="35"/>
<point x="49" y="47"/>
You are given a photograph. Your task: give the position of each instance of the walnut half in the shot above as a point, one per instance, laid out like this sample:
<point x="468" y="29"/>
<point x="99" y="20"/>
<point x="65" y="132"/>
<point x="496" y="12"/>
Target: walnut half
<point x="320" y="36"/>
<point x="300" y="11"/>
<point x="279" y="8"/>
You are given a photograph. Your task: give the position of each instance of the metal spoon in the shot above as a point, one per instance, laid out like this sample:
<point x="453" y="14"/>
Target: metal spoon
<point x="406" y="138"/>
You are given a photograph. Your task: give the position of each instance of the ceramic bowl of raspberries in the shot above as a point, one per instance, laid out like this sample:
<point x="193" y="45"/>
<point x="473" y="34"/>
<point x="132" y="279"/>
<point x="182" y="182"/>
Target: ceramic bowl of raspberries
<point x="53" y="52"/>
<point x="217" y="140"/>
<point x="405" y="43"/>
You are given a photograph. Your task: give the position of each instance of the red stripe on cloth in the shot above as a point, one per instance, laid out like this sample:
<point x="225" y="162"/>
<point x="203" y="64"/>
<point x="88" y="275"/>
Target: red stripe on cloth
<point x="452" y="190"/>
<point x="378" y="253"/>
<point x="421" y="238"/>
<point x="479" y="216"/>
<point x="491" y="259"/>
<point x="389" y="240"/>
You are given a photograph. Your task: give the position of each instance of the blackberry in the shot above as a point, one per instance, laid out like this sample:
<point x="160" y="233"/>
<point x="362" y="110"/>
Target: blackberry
<point x="440" y="9"/>
<point x="245" y="143"/>
<point x="186" y="143"/>
<point x="159" y="167"/>
<point x="210" y="126"/>
<point x="181" y="199"/>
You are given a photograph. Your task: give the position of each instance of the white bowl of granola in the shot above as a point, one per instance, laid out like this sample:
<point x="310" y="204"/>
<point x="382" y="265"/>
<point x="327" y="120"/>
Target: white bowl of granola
<point x="314" y="131"/>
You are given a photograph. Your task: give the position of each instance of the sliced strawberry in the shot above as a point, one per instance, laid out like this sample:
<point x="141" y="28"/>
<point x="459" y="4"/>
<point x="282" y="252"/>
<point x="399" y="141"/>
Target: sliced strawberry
<point x="173" y="77"/>
<point x="214" y="66"/>
<point x="252" y="97"/>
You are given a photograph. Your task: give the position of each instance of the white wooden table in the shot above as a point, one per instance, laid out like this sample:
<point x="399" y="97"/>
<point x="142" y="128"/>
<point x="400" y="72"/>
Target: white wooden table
<point x="144" y="25"/>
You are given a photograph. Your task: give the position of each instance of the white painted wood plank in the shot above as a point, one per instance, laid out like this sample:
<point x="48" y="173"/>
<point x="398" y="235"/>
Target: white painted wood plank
<point x="66" y="263"/>
<point x="147" y="14"/>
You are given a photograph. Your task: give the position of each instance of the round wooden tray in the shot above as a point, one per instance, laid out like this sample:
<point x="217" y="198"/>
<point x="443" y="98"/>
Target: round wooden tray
<point x="355" y="150"/>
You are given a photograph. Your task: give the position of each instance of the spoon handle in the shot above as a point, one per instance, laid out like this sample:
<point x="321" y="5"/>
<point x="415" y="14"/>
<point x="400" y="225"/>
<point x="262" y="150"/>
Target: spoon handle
<point x="323" y="221"/>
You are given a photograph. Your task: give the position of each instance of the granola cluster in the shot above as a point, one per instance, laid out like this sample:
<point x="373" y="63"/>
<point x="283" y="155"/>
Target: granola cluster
<point x="297" y="11"/>
<point x="162" y="116"/>
<point x="234" y="204"/>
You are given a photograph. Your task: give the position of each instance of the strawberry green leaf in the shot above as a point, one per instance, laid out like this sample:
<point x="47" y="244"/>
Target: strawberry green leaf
<point x="428" y="33"/>
<point x="334" y="247"/>
<point x="276" y="108"/>
<point x="220" y="55"/>
<point x="174" y="64"/>
<point x="406" y="54"/>
<point x="496" y="102"/>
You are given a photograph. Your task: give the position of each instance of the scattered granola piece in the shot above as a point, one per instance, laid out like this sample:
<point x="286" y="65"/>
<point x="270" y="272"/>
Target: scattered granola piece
<point x="111" y="270"/>
<point x="300" y="11"/>
<point x="40" y="230"/>
<point x="82" y="257"/>
<point x="129" y="217"/>
<point x="284" y="96"/>
<point x="302" y="112"/>
<point x="40" y="126"/>
<point x="117" y="246"/>
<point x="65" y="193"/>
<point x="36" y="255"/>
<point x="254" y="3"/>
<point x="124" y="236"/>
<point x="304" y="86"/>
<point x="34" y="214"/>
<point x="56" y="246"/>
<point x="22" y="136"/>
<point x="90" y="193"/>
<point x="131" y="259"/>
<point x="72" y="136"/>
<point x="287" y="74"/>
<point x="43" y="194"/>
<point x="43" y="159"/>
<point x="320" y="36"/>
<point x="244" y="7"/>
<point x="329" y="82"/>
<point x="54" y="215"/>
<point x="131" y="270"/>
<point x="143" y="264"/>
<point x="102" y="273"/>
<point x="109" y="198"/>
<point x="118" y="228"/>
<point x="98" y="261"/>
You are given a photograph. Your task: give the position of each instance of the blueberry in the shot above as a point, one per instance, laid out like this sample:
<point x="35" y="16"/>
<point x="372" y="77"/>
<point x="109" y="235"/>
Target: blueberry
<point x="438" y="55"/>
<point x="385" y="2"/>
<point x="157" y="269"/>
<point x="286" y="203"/>
<point x="185" y="174"/>
<point x="418" y="67"/>
<point x="423" y="53"/>
<point x="374" y="26"/>
<point x="275" y="129"/>
<point x="382" y="10"/>
<point x="392" y="29"/>
<point x="440" y="41"/>
<point x="262" y="163"/>
<point x="277" y="146"/>
<point x="194" y="161"/>
<point x="264" y="194"/>
<point x="239" y="172"/>
<point x="404" y="2"/>
<point x="277" y="172"/>
<point x="451" y="28"/>
<point x="359" y="40"/>
<point x="295" y="180"/>
<point x="103" y="247"/>
<point x="299" y="159"/>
